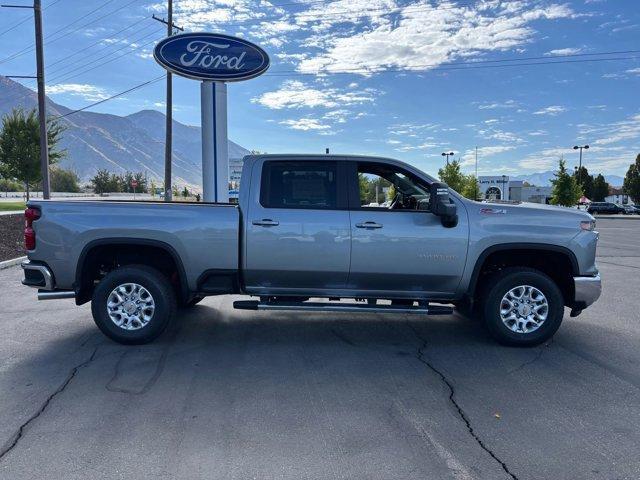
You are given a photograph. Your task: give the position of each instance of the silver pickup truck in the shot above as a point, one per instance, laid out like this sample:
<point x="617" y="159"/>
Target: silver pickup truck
<point x="359" y="234"/>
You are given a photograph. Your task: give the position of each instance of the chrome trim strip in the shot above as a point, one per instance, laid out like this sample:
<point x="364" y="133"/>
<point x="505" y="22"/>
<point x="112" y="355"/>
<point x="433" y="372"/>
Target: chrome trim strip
<point x="46" y="273"/>
<point x="587" y="289"/>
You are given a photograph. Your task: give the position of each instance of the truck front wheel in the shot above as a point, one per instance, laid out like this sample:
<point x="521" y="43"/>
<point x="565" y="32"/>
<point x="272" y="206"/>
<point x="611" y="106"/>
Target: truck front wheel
<point x="133" y="304"/>
<point x="522" y="307"/>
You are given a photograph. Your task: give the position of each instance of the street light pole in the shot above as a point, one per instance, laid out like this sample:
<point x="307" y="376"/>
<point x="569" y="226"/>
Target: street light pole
<point x="447" y="154"/>
<point x="576" y="147"/>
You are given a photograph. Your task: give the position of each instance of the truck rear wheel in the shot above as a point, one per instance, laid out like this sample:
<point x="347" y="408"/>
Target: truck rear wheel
<point x="133" y="304"/>
<point x="522" y="307"/>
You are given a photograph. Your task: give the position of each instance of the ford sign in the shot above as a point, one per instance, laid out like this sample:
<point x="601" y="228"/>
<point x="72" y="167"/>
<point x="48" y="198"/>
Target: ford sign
<point x="211" y="56"/>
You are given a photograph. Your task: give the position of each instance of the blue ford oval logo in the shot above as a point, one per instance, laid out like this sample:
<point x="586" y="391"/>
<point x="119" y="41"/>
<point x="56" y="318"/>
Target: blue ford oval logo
<point x="211" y="56"/>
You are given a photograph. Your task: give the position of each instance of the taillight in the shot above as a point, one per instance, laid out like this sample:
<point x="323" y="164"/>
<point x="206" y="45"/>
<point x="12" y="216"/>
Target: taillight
<point x="30" y="215"/>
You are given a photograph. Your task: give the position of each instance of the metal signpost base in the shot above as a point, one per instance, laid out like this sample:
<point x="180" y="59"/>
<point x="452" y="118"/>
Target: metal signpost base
<point x="215" y="150"/>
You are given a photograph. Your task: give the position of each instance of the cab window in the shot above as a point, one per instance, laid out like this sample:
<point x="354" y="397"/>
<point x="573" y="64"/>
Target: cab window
<point x="290" y="184"/>
<point x="385" y="187"/>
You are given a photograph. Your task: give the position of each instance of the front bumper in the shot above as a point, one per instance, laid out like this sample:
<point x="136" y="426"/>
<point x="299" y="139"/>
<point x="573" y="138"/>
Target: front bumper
<point x="587" y="291"/>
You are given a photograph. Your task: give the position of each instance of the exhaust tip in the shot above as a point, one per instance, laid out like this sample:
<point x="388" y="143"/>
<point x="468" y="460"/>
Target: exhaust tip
<point x="56" y="294"/>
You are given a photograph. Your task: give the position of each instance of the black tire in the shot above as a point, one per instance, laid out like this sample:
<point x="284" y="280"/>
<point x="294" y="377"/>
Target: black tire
<point x="194" y="301"/>
<point x="155" y="283"/>
<point x="500" y="284"/>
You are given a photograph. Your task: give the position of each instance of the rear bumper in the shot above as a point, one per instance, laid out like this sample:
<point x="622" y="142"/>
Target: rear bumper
<point x="37" y="275"/>
<point x="587" y="291"/>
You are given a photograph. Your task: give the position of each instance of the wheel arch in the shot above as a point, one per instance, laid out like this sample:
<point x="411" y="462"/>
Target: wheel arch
<point x="533" y="255"/>
<point x="88" y="257"/>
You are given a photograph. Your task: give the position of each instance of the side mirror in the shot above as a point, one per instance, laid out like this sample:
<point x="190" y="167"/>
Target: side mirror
<point x="442" y="206"/>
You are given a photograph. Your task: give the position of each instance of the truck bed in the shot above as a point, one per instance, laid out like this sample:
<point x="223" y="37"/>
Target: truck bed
<point x="204" y="236"/>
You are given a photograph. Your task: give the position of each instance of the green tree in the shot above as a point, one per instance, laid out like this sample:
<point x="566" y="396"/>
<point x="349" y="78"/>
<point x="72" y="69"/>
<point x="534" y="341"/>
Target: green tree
<point x="185" y="192"/>
<point x="64" y="180"/>
<point x="471" y="188"/>
<point x="20" y="145"/>
<point x="466" y="185"/>
<point x="106" y="182"/>
<point x="100" y="181"/>
<point x="585" y="181"/>
<point x="566" y="190"/>
<point x="631" y="185"/>
<point x="600" y="189"/>
<point x="453" y="176"/>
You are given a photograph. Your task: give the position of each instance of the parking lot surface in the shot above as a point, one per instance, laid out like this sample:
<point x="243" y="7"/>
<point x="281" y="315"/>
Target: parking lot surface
<point x="238" y="395"/>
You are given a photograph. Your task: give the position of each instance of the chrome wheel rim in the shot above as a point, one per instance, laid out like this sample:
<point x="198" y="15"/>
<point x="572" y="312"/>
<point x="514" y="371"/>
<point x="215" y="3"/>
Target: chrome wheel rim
<point x="524" y="309"/>
<point x="130" y="306"/>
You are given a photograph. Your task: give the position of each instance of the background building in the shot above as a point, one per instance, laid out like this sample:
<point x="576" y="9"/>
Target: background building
<point x="501" y="187"/>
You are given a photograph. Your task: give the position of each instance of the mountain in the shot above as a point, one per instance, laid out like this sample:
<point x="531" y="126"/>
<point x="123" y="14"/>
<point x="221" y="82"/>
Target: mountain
<point x="136" y="142"/>
<point x="543" y="179"/>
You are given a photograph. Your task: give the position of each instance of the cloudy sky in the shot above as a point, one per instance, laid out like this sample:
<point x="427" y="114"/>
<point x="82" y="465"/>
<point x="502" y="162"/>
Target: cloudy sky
<point x="522" y="80"/>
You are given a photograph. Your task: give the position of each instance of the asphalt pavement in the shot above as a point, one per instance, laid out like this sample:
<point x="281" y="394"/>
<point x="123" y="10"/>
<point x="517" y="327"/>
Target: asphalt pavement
<point x="231" y="394"/>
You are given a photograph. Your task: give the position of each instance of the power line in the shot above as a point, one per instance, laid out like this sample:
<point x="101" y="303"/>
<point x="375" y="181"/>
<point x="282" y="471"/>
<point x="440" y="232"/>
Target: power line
<point x="61" y="72"/>
<point x="26" y="19"/>
<point x="30" y="47"/>
<point x="508" y="62"/>
<point x="136" y="87"/>
<point x="66" y="34"/>
<point x="64" y="77"/>
<point x="137" y="22"/>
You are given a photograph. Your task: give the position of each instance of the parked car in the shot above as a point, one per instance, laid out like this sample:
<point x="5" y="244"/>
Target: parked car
<point x="604" y="208"/>
<point x="630" y="209"/>
<point x="304" y="228"/>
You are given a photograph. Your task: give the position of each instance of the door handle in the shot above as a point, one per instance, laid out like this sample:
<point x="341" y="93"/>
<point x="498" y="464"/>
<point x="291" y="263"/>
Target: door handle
<point x="369" y="225"/>
<point x="266" y="222"/>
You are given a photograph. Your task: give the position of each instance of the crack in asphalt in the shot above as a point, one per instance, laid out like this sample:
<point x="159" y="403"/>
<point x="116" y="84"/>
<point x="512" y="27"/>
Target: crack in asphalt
<point x="420" y="356"/>
<point x="13" y="441"/>
<point x="619" y="264"/>
<point x="533" y="360"/>
<point x="342" y="337"/>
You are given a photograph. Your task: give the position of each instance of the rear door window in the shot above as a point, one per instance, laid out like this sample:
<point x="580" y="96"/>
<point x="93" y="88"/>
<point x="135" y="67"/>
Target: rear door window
<point x="300" y="184"/>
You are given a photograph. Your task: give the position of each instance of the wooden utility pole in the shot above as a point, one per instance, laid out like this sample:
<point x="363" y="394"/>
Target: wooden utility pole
<point x="42" y="107"/>
<point x="169" y="110"/>
<point x="42" y="112"/>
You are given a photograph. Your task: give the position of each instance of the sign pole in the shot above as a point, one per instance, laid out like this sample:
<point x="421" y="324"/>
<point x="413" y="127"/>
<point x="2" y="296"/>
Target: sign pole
<point x="215" y="150"/>
<point x="215" y="59"/>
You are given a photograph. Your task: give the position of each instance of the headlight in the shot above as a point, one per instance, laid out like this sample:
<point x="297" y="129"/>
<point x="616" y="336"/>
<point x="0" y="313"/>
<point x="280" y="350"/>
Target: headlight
<point x="589" y="225"/>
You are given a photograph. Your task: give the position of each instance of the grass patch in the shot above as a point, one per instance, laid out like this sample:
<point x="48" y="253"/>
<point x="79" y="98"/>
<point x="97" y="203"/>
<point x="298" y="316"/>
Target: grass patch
<point x="11" y="206"/>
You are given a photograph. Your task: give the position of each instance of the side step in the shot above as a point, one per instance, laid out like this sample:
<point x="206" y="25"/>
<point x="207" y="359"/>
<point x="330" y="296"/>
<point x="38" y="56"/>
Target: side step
<point x="344" y="307"/>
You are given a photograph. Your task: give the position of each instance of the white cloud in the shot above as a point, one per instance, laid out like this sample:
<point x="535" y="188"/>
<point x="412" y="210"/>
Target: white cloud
<point x="564" y="51"/>
<point x="304" y="124"/>
<point x="635" y="71"/>
<point x="551" y="110"/>
<point x="88" y="92"/>
<point x="495" y="105"/>
<point x="469" y="157"/>
<point x="625" y="130"/>
<point x="424" y="38"/>
<point x="296" y="94"/>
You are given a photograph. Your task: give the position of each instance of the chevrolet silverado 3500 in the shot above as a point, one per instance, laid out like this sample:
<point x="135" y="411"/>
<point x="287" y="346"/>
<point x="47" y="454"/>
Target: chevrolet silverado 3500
<point x="331" y="227"/>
